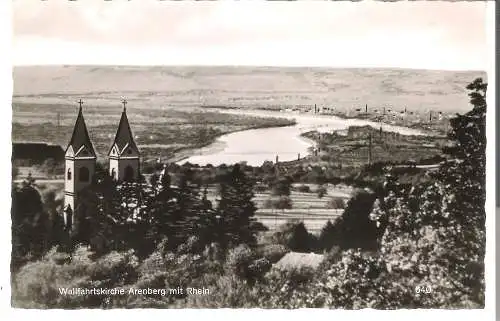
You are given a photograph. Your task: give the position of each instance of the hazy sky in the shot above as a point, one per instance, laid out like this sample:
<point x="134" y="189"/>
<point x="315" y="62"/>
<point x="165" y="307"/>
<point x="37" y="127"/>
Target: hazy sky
<point x="423" y="34"/>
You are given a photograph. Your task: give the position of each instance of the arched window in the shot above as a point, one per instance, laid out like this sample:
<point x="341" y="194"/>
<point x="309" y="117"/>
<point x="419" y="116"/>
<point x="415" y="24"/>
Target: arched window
<point x="69" y="174"/>
<point x="113" y="173"/>
<point x="129" y="173"/>
<point x="84" y="174"/>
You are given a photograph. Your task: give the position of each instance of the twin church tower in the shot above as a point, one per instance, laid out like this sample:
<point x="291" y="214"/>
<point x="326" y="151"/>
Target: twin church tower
<point x="80" y="159"/>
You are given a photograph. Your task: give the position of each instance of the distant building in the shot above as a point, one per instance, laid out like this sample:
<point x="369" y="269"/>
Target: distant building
<point x="29" y="154"/>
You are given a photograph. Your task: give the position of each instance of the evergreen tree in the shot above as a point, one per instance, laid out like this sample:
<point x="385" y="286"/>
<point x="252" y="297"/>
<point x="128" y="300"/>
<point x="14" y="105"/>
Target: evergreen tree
<point x="328" y="236"/>
<point x="236" y="210"/>
<point x="188" y="204"/>
<point x="207" y="221"/>
<point x="355" y="229"/>
<point x="30" y="223"/>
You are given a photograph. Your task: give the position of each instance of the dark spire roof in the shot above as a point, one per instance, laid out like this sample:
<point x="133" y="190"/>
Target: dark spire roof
<point x="124" y="134"/>
<point x="81" y="136"/>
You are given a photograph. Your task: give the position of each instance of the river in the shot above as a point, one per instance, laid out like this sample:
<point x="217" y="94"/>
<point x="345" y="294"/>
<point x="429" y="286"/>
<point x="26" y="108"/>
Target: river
<point x="255" y="146"/>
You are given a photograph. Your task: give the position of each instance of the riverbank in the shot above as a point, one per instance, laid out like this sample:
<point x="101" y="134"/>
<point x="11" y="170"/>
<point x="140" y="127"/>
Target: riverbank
<point x="436" y="123"/>
<point x="362" y="145"/>
<point x="288" y="144"/>
<point x="160" y="134"/>
<point x="184" y="153"/>
<point x="438" y="126"/>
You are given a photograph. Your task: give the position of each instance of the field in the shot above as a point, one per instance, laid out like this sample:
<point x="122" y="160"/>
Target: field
<point x="307" y="207"/>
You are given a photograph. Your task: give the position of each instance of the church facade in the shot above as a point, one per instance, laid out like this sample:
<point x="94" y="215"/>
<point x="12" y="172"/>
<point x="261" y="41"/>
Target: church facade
<point x="81" y="158"/>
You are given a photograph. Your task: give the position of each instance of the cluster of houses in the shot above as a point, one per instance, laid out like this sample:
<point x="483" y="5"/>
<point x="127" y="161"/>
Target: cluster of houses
<point x="382" y="113"/>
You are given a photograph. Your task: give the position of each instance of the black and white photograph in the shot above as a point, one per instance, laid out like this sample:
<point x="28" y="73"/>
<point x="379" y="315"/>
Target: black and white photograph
<point x="271" y="155"/>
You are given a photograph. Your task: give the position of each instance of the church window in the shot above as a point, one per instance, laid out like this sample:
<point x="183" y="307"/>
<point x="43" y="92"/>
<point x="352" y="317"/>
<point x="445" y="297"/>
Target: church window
<point x="113" y="173"/>
<point x="69" y="174"/>
<point x="84" y="174"/>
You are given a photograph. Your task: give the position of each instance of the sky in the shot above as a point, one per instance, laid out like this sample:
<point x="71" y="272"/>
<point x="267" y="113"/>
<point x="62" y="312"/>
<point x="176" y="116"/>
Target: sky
<point x="420" y="35"/>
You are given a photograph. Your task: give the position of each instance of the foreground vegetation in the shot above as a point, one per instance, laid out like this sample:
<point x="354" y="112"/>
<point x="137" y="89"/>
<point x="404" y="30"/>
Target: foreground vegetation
<point x="393" y="239"/>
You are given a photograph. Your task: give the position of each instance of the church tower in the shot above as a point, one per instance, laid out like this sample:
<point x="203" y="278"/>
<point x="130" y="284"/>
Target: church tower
<point x="80" y="163"/>
<point x="124" y="155"/>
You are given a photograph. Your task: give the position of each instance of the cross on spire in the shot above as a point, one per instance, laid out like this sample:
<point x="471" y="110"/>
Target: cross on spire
<point x="80" y="102"/>
<point x="124" y="102"/>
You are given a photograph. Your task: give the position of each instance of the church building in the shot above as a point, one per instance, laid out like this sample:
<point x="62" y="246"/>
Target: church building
<point x="80" y="160"/>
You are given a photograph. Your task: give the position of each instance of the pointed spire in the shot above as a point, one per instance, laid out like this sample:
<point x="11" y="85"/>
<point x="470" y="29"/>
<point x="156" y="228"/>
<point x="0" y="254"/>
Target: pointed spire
<point x="124" y="133"/>
<point x="80" y="136"/>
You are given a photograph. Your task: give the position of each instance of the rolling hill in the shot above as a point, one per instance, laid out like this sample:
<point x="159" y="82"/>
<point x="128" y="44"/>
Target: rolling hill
<point x="250" y="87"/>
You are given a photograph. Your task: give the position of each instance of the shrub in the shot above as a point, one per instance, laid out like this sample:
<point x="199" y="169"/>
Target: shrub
<point x="38" y="284"/>
<point x="304" y="189"/>
<point x="295" y="236"/>
<point x="260" y="188"/>
<point x="191" y="246"/>
<point x="273" y="252"/>
<point x="335" y="203"/>
<point x="281" y="203"/>
<point x="259" y="267"/>
<point x="281" y="187"/>
<point x="321" y="191"/>
<point x="238" y="260"/>
<point x="243" y="263"/>
<point x="228" y="291"/>
<point x="269" y="203"/>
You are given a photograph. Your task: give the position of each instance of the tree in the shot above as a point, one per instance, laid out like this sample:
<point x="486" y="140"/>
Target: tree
<point x="335" y="203"/>
<point x="236" y="210"/>
<point x="53" y="202"/>
<point x="295" y="236"/>
<point x="283" y="203"/>
<point x="321" y="191"/>
<point x="188" y="207"/>
<point x="328" y="236"/>
<point x="432" y="234"/>
<point x="207" y="222"/>
<point x="354" y="227"/>
<point x="51" y="167"/>
<point x="30" y="224"/>
<point x="162" y="210"/>
<point x="282" y="186"/>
